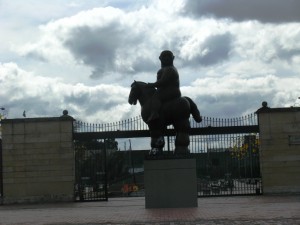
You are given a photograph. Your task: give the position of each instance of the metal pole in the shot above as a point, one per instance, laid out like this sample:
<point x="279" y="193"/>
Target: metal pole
<point x="168" y="138"/>
<point x="105" y="171"/>
<point x="132" y="164"/>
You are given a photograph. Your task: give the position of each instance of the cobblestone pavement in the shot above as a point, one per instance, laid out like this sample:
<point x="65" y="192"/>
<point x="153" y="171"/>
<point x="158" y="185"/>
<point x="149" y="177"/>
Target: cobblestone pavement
<point x="260" y="210"/>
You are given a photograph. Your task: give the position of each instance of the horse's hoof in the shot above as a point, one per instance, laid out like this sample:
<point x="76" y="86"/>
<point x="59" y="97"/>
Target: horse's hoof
<point x="160" y="142"/>
<point x="154" y="151"/>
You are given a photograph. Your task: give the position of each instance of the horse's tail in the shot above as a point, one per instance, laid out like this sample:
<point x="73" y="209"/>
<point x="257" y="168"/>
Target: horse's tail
<point x="194" y="110"/>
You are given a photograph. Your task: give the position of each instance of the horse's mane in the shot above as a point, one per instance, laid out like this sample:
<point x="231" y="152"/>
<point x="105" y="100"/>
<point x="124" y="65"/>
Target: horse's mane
<point x="144" y="86"/>
<point x="138" y="83"/>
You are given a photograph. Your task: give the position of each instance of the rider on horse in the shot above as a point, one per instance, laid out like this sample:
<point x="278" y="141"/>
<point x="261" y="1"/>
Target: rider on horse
<point x="167" y="84"/>
<point x="162" y="105"/>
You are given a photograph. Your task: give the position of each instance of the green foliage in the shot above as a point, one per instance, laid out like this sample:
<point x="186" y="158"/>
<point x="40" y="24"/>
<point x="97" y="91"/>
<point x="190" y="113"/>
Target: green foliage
<point x="244" y="145"/>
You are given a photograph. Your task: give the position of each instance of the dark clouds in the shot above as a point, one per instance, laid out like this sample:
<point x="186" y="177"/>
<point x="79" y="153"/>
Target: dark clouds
<point x="217" y="47"/>
<point x="101" y="47"/>
<point x="95" y="47"/>
<point x="212" y="50"/>
<point x="288" y="54"/>
<point x="93" y="101"/>
<point x="266" y="11"/>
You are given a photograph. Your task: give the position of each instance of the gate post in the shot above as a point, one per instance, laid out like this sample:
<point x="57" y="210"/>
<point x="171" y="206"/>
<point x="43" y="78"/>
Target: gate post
<point x="1" y="176"/>
<point x="38" y="159"/>
<point x="279" y="149"/>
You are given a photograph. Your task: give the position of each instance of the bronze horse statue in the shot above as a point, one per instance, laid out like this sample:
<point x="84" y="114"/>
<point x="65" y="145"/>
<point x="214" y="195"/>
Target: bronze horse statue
<point x="175" y="112"/>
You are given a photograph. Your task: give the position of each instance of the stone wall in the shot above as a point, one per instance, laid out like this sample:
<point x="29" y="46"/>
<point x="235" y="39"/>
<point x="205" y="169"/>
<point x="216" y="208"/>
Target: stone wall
<point x="280" y="149"/>
<point x="38" y="160"/>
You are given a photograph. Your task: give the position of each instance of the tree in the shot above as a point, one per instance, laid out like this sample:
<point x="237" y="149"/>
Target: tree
<point x="244" y="146"/>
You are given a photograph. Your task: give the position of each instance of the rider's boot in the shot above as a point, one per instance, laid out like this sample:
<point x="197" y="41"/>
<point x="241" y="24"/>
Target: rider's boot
<point x="153" y="116"/>
<point x="155" y="107"/>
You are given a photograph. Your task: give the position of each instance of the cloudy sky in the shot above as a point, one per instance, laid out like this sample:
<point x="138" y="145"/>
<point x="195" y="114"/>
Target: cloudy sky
<point x="83" y="55"/>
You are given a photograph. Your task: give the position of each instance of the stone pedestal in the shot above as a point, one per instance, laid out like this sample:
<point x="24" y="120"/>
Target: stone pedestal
<point x="170" y="183"/>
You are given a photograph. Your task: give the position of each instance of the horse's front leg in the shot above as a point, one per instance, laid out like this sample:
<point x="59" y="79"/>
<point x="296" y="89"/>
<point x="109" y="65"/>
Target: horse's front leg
<point x="157" y="138"/>
<point x="182" y="137"/>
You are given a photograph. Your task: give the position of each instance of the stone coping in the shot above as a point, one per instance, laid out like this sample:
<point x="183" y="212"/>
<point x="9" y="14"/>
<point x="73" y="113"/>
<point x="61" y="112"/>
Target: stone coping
<point x="40" y="119"/>
<point x="276" y="110"/>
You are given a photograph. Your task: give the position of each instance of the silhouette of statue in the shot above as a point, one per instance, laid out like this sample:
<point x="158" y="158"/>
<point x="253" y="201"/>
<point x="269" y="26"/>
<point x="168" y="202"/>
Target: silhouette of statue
<point x="167" y="84"/>
<point x="162" y="105"/>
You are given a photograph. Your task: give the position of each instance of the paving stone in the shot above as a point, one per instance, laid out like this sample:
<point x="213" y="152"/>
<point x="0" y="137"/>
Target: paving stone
<point x="246" y="210"/>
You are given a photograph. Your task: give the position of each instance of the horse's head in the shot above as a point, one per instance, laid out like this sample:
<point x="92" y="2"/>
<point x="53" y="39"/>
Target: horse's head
<point x="139" y="89"/>
<point x="135" y="93"/>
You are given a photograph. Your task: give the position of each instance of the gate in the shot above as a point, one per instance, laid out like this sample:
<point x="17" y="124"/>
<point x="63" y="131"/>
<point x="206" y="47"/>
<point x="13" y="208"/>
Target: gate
<point x="90" y="170"/>
<point x="226" y="151"/>
<point x="227" y="156"/>
<point x="229" y="165"/>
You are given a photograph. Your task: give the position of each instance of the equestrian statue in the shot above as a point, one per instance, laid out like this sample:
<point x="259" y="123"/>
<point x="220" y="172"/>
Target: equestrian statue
<point x="162" y="105"/>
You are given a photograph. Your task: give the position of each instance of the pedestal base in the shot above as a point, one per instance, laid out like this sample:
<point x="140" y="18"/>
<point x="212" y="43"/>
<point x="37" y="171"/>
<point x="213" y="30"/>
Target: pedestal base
<point x="170" y="183"/>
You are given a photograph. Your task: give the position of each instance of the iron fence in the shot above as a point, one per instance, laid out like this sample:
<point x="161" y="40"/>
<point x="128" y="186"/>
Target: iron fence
<point x="90" y="171"/>
<point x="137" y="124"/>
<point x="226" y="150"/>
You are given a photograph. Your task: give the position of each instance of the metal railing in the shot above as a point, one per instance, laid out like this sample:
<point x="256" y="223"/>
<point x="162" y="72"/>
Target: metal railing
<point x="226" y="150"/>
<point x="137" y="124"/>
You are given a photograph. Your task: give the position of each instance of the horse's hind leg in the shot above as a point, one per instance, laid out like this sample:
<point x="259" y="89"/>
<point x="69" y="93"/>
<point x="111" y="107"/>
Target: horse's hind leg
<point x="157" y="138"/>
<point x="157" y="145"/>
<point x="182" y="137"/>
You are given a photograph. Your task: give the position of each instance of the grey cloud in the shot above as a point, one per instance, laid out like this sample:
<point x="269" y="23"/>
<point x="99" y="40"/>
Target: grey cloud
<point x="99" y="47"/>
<point x="288" y="54"/>
<point x="91" y="104"/>
<point x="36" y="56"/>
<point x="81" y="99"/>
<point x="215" y="49"/>
<point x="144" y="64"/>
<point x="94" y="47"/>
<point x="267" y="11"/>
<point x="32" y="105"/>
<point x="218" y="49"/>
<point x="282" y="53"/>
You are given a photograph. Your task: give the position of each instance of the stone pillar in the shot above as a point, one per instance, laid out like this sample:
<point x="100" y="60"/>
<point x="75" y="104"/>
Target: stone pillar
<point x="38" y="160"/>
<point x="170" y="183"/>
<point x="280" y="149"/>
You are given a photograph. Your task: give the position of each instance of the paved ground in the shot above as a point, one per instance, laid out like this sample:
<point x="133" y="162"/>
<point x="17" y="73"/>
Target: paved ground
<point x="260" y="210"/>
